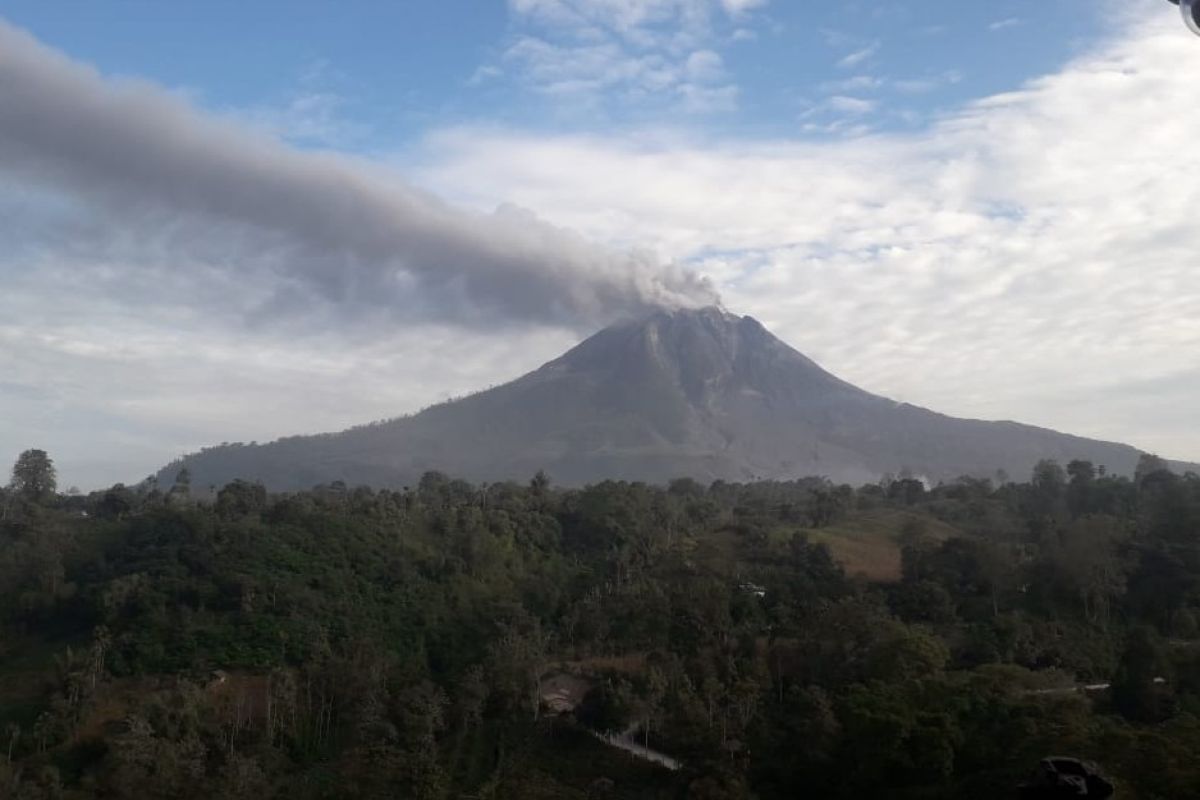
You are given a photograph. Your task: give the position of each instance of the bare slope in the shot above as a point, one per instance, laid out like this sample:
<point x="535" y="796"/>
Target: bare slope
<point x="700" y="393"/>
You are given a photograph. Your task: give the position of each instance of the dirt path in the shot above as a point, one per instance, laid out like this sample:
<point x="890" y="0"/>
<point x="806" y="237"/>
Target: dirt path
<point x="625" y="741"/>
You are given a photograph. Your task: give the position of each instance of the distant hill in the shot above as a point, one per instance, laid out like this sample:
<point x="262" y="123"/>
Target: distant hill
<point x="700" y="393"/>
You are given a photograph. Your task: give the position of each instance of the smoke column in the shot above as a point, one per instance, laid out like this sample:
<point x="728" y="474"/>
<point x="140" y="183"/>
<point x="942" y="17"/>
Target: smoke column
<point x="334" y="229"/>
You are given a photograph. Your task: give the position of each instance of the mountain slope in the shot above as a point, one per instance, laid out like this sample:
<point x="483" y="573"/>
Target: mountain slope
<point x="701" y="393"/>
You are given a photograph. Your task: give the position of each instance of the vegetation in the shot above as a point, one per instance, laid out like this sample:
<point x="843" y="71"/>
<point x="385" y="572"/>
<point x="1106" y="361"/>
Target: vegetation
<point x="346" y="642"/>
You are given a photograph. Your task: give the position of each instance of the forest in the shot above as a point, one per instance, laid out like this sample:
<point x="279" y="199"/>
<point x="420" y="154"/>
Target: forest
<point x="517" y="640"/>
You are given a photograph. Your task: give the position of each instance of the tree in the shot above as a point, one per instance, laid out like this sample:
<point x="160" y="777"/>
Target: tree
<point x="240" y="498"/>
<point x="470" y="697"/>
<point x="116" y="502"/>
<point x="904" y="653"/>
<point x="33" y="476"/>
<point x="1081" y="472"/>
<point x="1048" y="480"/>
<point x="1046" y="496"/>
<point x="1088" y="564"/>
<point x="1136" y="691"/>
<point x="518" y="656"/>
<point x="539" y="488"/>
<point x="1148" y="465"/>
<point x="1083" y="478"/>
<point x="906" y="490"/>
<point x="540" y="483"/>
<point x="182" y="489"/>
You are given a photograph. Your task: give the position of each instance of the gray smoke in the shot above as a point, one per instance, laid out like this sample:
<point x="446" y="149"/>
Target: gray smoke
<point x="327" y="229"/>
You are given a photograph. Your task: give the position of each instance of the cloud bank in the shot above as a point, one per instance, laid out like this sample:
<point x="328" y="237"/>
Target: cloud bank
<point x="137" y="175"/>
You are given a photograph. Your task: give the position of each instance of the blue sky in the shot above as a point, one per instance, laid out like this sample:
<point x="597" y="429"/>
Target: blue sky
<point x="238" y="221"/>
<point x="391" y="71"/>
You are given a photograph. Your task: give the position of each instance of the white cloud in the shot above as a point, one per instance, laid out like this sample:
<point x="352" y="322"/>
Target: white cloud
<point x="705" y="65"/>
<point x="638" y="51"/>
<point x="483" y="74"/>
<point x="851" y="105"/>
<point x="859" y="56"/>
<point x="701" y="99"/>
<point x="1006" y="23"/>
<point x="1029" y="256"/>
<point x="871" y="83"/>
<point x="736" y="7"/>
<point x="857" y="83"/>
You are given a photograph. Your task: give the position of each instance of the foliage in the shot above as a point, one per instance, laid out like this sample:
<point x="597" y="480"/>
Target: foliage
<point x="33" y="476"/>
<point x="350" y="642"/>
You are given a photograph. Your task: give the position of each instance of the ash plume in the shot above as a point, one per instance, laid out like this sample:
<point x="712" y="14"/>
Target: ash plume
<point x="326" y="230"/>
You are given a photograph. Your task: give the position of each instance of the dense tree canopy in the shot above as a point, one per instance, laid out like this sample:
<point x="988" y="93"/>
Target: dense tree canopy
<point x="777" y="639"/>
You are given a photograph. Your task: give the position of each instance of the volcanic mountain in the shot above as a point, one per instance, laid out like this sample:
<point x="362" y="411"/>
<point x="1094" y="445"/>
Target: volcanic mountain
<point x="699" y="393"/>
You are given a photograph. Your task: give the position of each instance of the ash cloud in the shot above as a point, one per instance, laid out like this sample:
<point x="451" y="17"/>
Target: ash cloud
<point x="164" y="182"/>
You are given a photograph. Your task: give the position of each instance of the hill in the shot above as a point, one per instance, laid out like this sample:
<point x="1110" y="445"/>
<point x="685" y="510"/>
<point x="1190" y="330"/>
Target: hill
<point x="699" y="393"/>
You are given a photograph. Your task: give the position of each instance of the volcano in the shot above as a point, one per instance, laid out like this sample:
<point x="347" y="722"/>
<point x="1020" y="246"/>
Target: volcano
<point x="694" y="393"/>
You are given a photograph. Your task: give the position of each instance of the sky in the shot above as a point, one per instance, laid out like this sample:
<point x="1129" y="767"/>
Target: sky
<point x="233" y="222"/>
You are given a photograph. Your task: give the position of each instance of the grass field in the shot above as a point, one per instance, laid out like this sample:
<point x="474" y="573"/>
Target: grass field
<point x="865" y="543"/>
<point x="868" y="543"/>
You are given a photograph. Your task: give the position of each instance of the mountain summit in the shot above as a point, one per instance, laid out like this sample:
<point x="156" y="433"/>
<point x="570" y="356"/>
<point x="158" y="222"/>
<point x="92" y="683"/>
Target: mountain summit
<point x="700" y="393"/>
